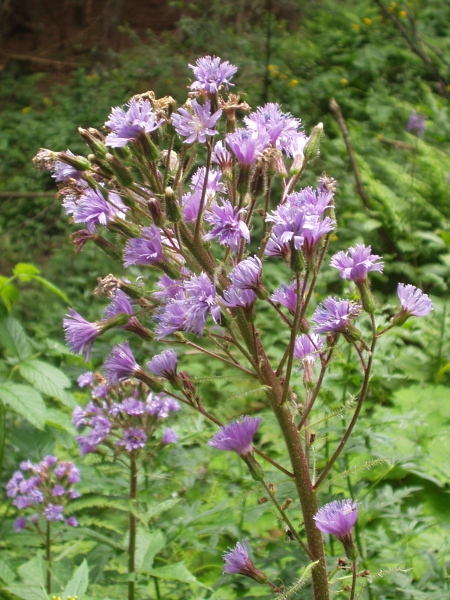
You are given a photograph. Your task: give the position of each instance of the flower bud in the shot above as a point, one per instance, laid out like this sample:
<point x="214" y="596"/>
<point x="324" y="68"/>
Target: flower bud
<point x="123" y="175"/>
<point x="154" y="207"/>
<point x="312" y="147"/>
<point x="173" y="209"/>
<point x="94" y="142"/>
<point x="77" y="162"/>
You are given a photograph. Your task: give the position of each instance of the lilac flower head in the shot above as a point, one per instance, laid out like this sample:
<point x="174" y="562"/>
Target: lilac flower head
<point x="161" y="405"/>
<point x="337" y="518"/>
<point x="62" y="171"/>
<point x="120" y="364"/>
<point x="92" y="209"/>
<point x="235" y="297"/>
<point x="164" y="364"/>
<point x="356" y="263"/>
<point x="134" y="438"/>
<point x="413" y="301"/>
<point x="197" y="126"/>
<point x="228" y="228"/>
<point x="80" y="334"/>
<point x="169" y="288"/>
<point x="280" y="127"/>
<point x="126" y="126"/>
<point x="72" y="522"/>
<point x="247" y="145"/>
<point x="237" y="435"/>
<point x="416" y="124"/>
<point x="334" y="315"/>
<point x="145" y="250"/>
<point x="85" y="379"/>
<point x="237" y="561"/>
<point x="210" y="73"/>
<point x="222" y="157"/>
<point x="169" y="436"/>
<point x="286" y="295"/>
<point x="247" y="274"/>
<point x="54" y="513"/>
<point x="78" y="417"/>
<point x="202" y="300"/>
<point x="131" y="407"/>
<point x="120" y="304"/>
<point x="314" y="228"/>
<point x="20" y="524"/>
<point x="308" y="345"/>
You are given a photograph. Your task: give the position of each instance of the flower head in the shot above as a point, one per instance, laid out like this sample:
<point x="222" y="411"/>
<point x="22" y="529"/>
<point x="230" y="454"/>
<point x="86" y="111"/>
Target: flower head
<point x="280" y="127"/>
<point x="169" y="436"/>
<point x="145" y="250"/>
<point x="237" y="435"/>
<point x="161" y="405"/>
<point x="210" y="73"/>
<point x="134" y="438"/>
<point x="247" y="145"/>
<point x="85" y="379"/>
<point x="164" y="364"/>
<point x="128" y="125"/>
<point x="308" y="346"/>
<point x="237" y="561"/>
<point x="247" y="274"/>
<point x="334" y="315"/>
<point x="198" y="126"/>
<point x="235" y="297"/>
<point x="413" y="301"/>
<point x="286" y="295"/>
<point x="120" y="364"/>
<point x="356" y="263"/>
<point x="228" y="228"/>
<point x="337" y="518"/>
<point x="92" y="209"/>
<point x="80" y="334"/>
<point x="416" y="124"/>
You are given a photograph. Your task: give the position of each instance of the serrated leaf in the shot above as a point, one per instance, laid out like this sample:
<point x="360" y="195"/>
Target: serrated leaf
<point x="90" y="533"/>
<point x="56" y="418"/>
<point x="47" y="379"/>
<point x="13" y="337"/>
<point x="24" y="400"/>
<point x="8" y="292"/>
<point x="77" y="586"/>
<point x="33" y="571"/>
<point x="25" y="271"/>
<point x="53" y="288"/>
<point x="159" y="508"/>
<point x="175" y="572"/>
<point x="28" y="592"/>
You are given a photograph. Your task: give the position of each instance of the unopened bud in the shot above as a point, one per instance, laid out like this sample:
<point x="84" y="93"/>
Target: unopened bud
<point x="123" y="175"/>
<point x="173" y="209"/>
<point x="286" y="503"/>
<point x="77" y="162"/>
<point x="154" y="207"/>
<point x="254" y="467"/>
<point x="94" y="142"/>
<point x="172" y="163"/>
<point x="148" y="147"/>
<point x="312" y="147"/>
<point x="263" y="500"/>
<point x="272" y="489"/>
<point x="367" y="299"/>
<point x="108" y="248"/>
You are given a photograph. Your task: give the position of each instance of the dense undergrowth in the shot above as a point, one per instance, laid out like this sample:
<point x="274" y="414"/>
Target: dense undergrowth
<point x="196" y="503"/>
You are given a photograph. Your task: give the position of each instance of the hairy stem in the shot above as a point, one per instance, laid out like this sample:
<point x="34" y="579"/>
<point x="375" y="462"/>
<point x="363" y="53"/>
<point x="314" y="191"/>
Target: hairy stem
<point x="132" y="529"/>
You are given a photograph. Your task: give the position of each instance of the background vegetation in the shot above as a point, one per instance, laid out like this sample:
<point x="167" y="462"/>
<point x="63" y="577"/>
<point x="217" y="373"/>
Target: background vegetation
<point x="198" y="502"/>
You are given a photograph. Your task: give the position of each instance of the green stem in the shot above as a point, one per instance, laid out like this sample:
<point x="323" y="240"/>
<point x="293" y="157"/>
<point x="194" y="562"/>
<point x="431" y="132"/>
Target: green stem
<point x="48" y="556"/>
<point x="132" y="529"/>
<point x="352" y="594"/>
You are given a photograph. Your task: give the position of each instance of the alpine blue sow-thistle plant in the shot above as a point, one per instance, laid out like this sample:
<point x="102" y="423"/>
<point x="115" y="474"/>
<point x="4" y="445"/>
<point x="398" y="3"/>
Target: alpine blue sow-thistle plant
<point x="147" y="198"/>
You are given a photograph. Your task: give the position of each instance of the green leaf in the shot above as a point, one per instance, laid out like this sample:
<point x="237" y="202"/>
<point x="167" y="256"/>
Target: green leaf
<point x="33" y="572"/>
<point x="25" y="271"/>
<point x="25" y="401"/>
<point x="148" y="544"/>
<point x="13" y="338"/>
<point x="56" y="418"/>
<point x="86" y="532"/>
<point x="28" y="592"/>
<point x="78" y="584"/>
<point x="2" y="435"/>
<point x="6" y="573"/>
<point x="159" y="508"/>
<point x="53" y="288"/>
<point x="8" y="292"/>
<point x="175" y="572"/>
<point x="48" y="380"/>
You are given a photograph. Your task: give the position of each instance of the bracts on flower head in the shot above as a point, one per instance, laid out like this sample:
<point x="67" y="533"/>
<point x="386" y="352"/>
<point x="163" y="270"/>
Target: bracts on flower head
<point x="338" y="518"/>
<point x="237" y="561"/>
<point x="238" y="436"/>
<point x="334" y="315"/>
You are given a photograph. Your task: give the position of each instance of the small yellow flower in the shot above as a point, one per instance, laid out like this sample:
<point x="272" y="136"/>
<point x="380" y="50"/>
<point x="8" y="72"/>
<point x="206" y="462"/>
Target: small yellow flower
<point x="355" y="26"/>
<point x="293" y="82"/>
<point x="333" y="238"/>
<point x="272" y="67"/>
<point x="93" y="77"/>
<point x="394" y="5"/>
<point x="402" y="13"/>
<point x="447" y="87"/>
<point x="367" y="21"/>
<point x="344" y="81"/>
<point x="25" y="110"/>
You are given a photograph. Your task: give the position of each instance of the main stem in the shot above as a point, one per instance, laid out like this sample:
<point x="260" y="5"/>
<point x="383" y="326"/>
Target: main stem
<point x="48" y="556"/>
<point x="132" y="530"/>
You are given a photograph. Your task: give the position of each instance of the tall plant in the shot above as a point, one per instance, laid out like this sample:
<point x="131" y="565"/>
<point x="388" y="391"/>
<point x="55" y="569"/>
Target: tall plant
<point x="208" y="230"/>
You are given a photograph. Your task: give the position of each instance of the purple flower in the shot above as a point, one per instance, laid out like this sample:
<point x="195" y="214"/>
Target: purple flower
<point x="164" y="364"/>
<point x="134" y="438"/>
<point x="247" y="145"/>
<point x="191" y="201"/>
<point x="126" y="126"/>
<point x="235" y="297"/>
<point x="80" y="334"/>
<point x="247" y="274"/>
<point x="12" y="487"/>
<point x="120" y="304"/>
<point x="53" y="513"/>
<point x="197" y="126"/>
<point x="169" y="436"/>
<point x="222" y="157"/>
<point x="334" y="315"/>
<point x="228" y="228"/>
<point x="58" y="490"/>
<point x="416" y="124"/>
<point x="313" y="229"/>
<point x="72" y="522"/>
<point x="172" y="317"/>
<point x="356" y="263"/>
<point x="131" y="407"/>
<point x="85" y="379"/>
<point x="237" y="435"/>
<point x="21" y="502"/>
<point x="161" y="405"/>
<point x="308" y="345"/>
<point x="337" y="518"/>
<point x="169" y="288"/>
<point x="73" y="475"/>
<point x="238" y="561"/>
<point x="62" y="171"/>
<point x="120" y="364"/>
<point x="280" y="127"/>
<point x="20" y="524"/>
<point x="413" y="301"/>
<point x="202" y="300"/>
<point x="92" y="209"/>
<point x="145" y="250"/>
<point x="78" y="417"/>
<point x="36" y="496"/>
<point x="286" y="295"/>
<point x="49" y="461"/>
<point x="210" y="73"/>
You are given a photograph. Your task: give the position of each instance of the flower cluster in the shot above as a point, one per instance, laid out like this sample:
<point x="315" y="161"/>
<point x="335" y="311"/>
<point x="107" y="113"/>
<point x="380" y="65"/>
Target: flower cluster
<point x="44" y="489"/>
<point x="124" y="425"/>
